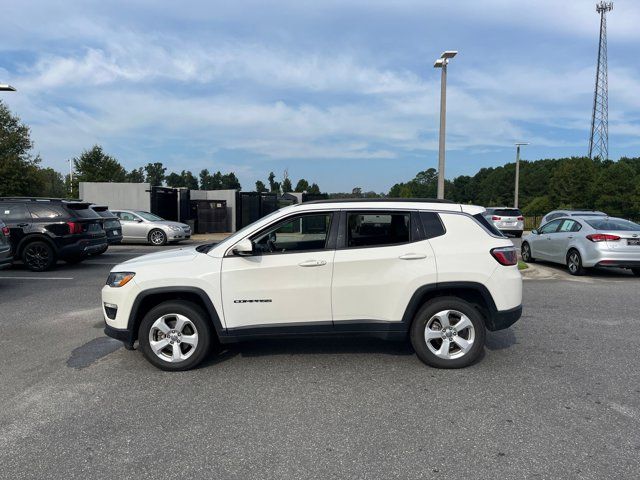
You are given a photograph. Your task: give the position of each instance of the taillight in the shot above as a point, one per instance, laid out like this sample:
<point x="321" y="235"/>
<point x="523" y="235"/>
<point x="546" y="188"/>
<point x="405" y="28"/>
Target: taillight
<point x="505" y="255"/>
<point x="74" y="227"/>
<point x="496" y="218"/>
<point x="6" y="231"/>
<point x="603" y="237"/>
<point x="520" y="219"/>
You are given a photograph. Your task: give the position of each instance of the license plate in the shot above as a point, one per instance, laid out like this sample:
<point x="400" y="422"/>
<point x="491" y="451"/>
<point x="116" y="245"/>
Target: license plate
<point x="635" y="242"/>
<point x="115" y="232"/>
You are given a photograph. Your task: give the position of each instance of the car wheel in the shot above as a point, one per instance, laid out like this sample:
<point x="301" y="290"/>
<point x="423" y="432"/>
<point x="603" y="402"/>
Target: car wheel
<point x="38" y="256"/>
<point x="448" y="332"/>
<point x="157" y="237"/>
<point x="636" y="271"/>
<point x="574" y="263"/>
<point x="175" y="335"/>
<point x="525" y="253"/>
<point x="100" y="252"/>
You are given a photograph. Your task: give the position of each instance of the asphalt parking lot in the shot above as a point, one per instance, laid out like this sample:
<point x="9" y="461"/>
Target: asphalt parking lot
<point x="555" y="396"/>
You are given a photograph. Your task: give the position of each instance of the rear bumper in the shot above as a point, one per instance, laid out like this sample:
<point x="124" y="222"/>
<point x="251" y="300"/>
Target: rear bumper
<point x="501" y="319"/>
<point x="83" y="247"/>
<point x="619" y="263"/>
<point x="114" y="239"/>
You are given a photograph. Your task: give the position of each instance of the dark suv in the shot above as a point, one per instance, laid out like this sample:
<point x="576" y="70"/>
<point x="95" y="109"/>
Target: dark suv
<point x="44" y="230"/>
<point x="110" y="224"/>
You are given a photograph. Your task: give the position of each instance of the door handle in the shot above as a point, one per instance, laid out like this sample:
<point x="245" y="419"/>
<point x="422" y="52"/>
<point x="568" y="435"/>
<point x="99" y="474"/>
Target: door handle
<point x="412" y="256"/>
<point x="570" y="236"/>
<point x="313" y="263"/>
<point x="23" y="224"/>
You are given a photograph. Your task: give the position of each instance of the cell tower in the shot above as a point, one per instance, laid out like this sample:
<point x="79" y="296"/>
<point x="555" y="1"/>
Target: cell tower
<point x="599" y="141"/>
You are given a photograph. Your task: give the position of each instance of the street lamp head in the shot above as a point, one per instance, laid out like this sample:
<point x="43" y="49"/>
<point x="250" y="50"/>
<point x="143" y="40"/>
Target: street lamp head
<point x="519" y="144"/>
<point x="449" y="54"/>
<point x="439" y="63"/>
<point x="6" y="88"/>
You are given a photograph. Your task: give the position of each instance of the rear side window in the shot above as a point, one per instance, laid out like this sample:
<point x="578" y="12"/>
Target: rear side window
<point x="45" y="211"/>
<point x="13" y="211"/>
<point x="488" y="225"/>
<point x="370" y="229"/>
<point x="431" y="224"/>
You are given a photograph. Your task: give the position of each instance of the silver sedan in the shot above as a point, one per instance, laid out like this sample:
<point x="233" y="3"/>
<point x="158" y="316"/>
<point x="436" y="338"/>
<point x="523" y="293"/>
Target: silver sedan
<point x="143" y="226"/>
<point x="580" y="243"/>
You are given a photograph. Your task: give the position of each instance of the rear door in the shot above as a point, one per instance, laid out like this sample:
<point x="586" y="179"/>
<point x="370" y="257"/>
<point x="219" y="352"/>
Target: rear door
<point x="17" y="218"/>
<point x="381" y="256"/>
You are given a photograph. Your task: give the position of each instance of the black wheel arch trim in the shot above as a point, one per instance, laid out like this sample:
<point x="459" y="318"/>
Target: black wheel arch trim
<point x="34" y="237"/>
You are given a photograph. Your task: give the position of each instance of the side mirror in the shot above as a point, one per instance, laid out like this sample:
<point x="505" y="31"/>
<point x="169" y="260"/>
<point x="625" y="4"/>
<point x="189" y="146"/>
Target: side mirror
<point x="139" y="220"/>
<point x="243" y="248"/>
<point x="534" y="231"/>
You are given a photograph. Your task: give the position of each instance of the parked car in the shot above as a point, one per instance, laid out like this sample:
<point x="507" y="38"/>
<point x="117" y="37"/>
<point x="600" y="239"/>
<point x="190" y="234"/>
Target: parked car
<point x="138" y="225"/>
<point x="507" y="220"/>
<point x="438" y="273"/>
<point x="44" y="230"/>
<point x="110" y="225"/>
<point x="6" y="257"/>
<point x="583" y="242"/>
<point x="570" y="213"/>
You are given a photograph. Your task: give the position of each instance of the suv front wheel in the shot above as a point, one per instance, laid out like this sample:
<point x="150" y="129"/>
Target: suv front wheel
<point x="448" y="332"/>
<point x="175" y="335"/>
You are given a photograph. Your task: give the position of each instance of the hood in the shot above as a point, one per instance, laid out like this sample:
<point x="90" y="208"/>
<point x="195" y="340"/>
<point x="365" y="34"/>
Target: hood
<point x="177" y="255"/>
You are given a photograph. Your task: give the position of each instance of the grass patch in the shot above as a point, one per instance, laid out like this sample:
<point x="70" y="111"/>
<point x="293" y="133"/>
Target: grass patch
<point x="522" y="265"/>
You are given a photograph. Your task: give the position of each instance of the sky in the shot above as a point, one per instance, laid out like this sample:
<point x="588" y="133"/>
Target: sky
<point x="342" y="93"/>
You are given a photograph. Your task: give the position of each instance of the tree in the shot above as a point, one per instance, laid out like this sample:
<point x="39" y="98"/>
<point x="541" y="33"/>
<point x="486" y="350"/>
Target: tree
<point x="302" y="186"/>
<point x="356" y="192"/>
<point x="260" y="187"/>
<point x="18" y="168"/>
<point x="314" y="189"/>
<point x="155" y="173"/>
<point x="572" y="183"/>
<point x="230" y="182"/>
<point x="286" y="185"/>
<point x="174" y="180"/>
<point x="53" y="184"/>
<point x="94" y="165"/>
<point x="136" y="175"/>
<point x="272" y="182"/>
<point x="188" y="180"/>
<point x="616" y="189"/>
<point x="206" y="180"/>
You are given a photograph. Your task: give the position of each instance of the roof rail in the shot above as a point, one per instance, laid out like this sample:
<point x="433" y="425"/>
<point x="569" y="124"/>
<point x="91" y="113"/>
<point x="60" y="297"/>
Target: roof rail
<point x="40" y="199"/>
<point x="380" y="200"/>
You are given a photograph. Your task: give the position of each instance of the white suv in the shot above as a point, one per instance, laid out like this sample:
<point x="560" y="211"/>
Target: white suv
<point x="436" y="272"/>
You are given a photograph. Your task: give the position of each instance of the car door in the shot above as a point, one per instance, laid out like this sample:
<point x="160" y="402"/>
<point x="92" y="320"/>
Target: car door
<point x="541" y="247"/>
<point x="287" y="279"/>
<point x="559" y="242"/>
<point x="377" y="255"/>
<point x="133" y="227"/>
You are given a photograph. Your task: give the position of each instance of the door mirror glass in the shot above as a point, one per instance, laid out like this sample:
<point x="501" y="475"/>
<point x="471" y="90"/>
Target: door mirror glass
<point x="243" y="248"/>
<point x="534" y="231"/>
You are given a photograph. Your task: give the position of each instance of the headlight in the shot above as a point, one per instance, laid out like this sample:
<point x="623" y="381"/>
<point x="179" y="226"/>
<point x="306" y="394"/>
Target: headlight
<point x="174" y="228"/>
<point x="119" y="279"/>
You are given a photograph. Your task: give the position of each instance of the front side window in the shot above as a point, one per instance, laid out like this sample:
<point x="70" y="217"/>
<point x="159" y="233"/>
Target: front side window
<point x="550" y="227"/>
<point x="296" y="234"/>
<point x="369" y="229"/>
<point x="127" y="217"/>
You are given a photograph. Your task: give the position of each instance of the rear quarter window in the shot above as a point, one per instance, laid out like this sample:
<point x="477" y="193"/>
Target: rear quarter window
<point x="431" y="224"/>
<point x="487" y="225"/>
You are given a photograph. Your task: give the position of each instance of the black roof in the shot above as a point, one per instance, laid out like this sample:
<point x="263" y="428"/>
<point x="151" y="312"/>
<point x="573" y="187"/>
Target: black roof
<point x="379" y="200"/>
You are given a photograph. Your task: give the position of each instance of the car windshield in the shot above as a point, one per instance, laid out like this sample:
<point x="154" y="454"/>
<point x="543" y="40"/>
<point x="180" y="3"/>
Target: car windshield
<point x="506" y="212"/>
<point x="617" y="224"/>
<point x="149" y="216"/>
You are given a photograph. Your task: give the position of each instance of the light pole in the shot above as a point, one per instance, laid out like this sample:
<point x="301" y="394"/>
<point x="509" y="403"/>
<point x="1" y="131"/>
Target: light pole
<point x="515" y="195"/>
<point x="6" y="88"/>
<point x="442" y="64"/>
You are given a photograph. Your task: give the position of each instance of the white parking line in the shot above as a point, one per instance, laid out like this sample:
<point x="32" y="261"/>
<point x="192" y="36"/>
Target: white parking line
<point x="36" y="278"/>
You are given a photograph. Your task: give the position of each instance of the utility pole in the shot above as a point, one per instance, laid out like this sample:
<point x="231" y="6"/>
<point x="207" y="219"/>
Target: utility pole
<point x="70" y="178"/>
<point x="517" y="190"/>
<point x="442" y="63"/>
<point x="599" y="140"/>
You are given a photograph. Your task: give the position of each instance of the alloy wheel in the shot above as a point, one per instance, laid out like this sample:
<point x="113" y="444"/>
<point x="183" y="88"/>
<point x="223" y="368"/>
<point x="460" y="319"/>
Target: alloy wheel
<point x="574" y="262"/>
<point x="526" y="252"/>
<point x="37" y="256"/>
<point x="157" y="237"/>
<point x="449" y="334"/>
<point x="173" y="338"/>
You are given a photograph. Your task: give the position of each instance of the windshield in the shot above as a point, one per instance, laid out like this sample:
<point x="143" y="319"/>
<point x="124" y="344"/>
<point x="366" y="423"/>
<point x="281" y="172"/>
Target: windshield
<point x="614" y="224"/>
<point x="149" y="216"/>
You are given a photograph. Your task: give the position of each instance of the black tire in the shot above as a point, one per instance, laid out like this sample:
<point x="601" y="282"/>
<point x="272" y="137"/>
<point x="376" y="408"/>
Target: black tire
<point x="525" y="253"/>
<point x="160" y="235"/>
<point x="425" y="316"/>
<point x="39" y="256"/>
<point x="201" y="326"/>
<point x="100" y="252"/>
<point x="636" y="271"/>
<point x="574" y="263"/>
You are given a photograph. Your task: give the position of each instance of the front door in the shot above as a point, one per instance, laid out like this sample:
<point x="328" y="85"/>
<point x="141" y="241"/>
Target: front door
<point x="287" y="280"/>
<point x="541" y="248"/>
<point x="133" y="227"/>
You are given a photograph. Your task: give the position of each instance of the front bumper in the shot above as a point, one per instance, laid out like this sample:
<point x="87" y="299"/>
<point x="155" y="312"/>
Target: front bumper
<point x="124" y="335"/>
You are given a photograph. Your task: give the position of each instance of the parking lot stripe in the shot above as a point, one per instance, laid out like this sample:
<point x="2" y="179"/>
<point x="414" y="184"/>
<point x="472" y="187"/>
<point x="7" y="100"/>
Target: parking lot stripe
<point x="36" y="278"/>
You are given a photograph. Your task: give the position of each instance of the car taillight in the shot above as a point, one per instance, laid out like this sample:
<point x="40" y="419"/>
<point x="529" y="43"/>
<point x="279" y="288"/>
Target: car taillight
<point x="520" y="219"/>
<point x="505" y="255"/>
<point x="6" y="231"/>
<point x="74" y="227"/>
<point x="496" y="218"/>
<point x="603" y="237"/>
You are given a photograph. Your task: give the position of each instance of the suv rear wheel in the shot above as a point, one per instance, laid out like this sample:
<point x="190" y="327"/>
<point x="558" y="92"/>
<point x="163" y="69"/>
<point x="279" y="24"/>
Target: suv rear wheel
<point x="38" y="256"/>
<point x="448" y="332"/>
<point x="175" y="335"/>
